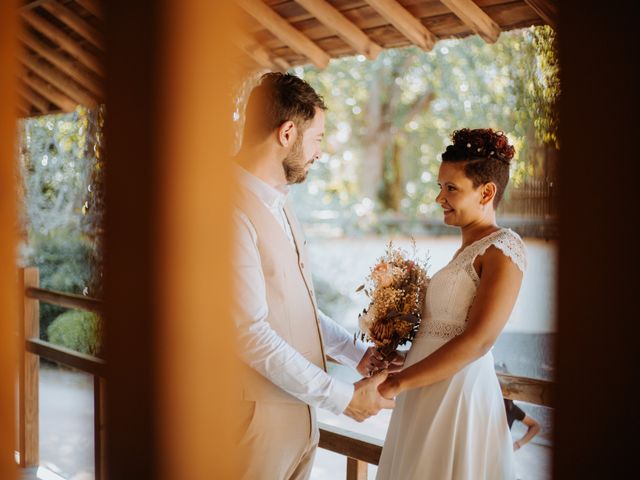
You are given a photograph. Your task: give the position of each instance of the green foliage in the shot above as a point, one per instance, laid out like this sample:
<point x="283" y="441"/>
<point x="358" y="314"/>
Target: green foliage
<point x="79" y="331"/>
<point x="63" y="258"/>
<point x="63" y="202"/>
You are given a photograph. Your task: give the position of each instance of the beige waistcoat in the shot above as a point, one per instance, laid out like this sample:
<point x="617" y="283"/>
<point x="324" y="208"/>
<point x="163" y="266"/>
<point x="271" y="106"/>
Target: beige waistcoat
<point x="290" y="296"/>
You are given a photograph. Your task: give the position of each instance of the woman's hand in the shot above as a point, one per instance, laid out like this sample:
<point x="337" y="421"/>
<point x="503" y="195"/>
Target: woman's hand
<point x="390" y="388"/>
<point x="371" y="362"/>
<point x="396" y="361"/>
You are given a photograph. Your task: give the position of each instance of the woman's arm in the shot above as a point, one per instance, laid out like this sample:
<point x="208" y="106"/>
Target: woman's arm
<point x="497" y="293"/>
<point x="532" y="431"/>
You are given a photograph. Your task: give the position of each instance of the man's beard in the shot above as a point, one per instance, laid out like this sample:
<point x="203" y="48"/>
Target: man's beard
<point x="294" y="164"/>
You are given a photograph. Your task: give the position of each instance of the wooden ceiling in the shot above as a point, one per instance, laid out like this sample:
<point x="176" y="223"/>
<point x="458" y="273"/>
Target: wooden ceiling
<point x="62" y="56"/>
<point x="284" y="33"/>
<point x="62" y="64"/>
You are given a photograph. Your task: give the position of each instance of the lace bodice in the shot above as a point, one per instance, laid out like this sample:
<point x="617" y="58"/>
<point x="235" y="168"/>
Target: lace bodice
<point x="452" y="290"/>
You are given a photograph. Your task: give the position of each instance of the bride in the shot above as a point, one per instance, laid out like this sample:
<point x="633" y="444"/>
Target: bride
<point x="449" y="421"/>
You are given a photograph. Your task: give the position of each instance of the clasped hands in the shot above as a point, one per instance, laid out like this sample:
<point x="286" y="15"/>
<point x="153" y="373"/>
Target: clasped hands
<point x="367" y="399"/>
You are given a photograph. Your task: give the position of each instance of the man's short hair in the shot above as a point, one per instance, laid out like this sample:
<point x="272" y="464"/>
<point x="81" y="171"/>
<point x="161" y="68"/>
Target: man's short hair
<point x="278" y="98"/>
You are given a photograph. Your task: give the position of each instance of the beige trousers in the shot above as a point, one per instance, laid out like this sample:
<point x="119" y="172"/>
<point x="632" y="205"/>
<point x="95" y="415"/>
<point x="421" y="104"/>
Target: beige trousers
<point x="277" y="440"/>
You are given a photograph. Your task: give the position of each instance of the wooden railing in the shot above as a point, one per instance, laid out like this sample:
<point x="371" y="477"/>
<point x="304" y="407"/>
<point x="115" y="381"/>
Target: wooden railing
<point x="360" y="450"/>
<point x="34" y="349"/>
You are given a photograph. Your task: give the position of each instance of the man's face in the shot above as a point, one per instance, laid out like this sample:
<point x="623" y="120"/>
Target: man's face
<point x="305" y="150"/>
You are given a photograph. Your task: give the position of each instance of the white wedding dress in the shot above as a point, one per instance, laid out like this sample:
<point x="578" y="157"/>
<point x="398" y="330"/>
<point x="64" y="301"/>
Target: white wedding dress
<point x="455" y="429"/>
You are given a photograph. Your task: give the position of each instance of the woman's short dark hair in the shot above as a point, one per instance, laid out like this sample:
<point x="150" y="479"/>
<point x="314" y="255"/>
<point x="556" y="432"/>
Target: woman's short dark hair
<point x="487" y="154"/>
<point x="278" y="98"/>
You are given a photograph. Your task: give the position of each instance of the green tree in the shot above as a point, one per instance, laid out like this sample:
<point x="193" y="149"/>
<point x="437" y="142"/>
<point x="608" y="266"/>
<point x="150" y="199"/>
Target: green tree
<point x="390" y="119"/>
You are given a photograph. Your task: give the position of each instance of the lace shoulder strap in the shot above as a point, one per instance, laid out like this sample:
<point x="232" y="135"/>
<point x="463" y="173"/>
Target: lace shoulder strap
<point x="505" y="240"/>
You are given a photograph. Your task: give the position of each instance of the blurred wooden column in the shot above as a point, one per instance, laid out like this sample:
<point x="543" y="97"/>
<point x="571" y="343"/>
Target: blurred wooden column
<point x="168" y="330"/>
<point x="8" y="238"/>
<point x="599" y="333"/>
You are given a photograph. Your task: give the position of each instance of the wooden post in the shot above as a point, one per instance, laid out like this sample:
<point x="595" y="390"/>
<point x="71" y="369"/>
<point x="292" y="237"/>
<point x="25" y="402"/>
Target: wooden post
<point x="356" y="469"/>
<point x="598" y="331"/>
<point x="169" y="336"/>
<point x="28" y="371"/>
<point x="99" y="424"/>
<point x="8" y="239"/>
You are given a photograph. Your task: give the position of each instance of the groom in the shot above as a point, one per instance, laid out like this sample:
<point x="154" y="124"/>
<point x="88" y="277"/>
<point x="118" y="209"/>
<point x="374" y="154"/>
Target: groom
<point x="283" y="338"/>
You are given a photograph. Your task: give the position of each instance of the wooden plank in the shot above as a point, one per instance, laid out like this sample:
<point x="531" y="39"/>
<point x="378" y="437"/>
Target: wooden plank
<point x="31" y="4"/>
<point x="547" y="10"/>
<point x="29" y="373"/>
<point x="475" y="18"/>
<point x="92" y="7"/>
<point x="406" y="23"/>
<point x="256" y="51"/>
<point x="285" y="32"/>
<point x="54" y="96"/>
<point x="334" y="20"/>
<point x="539" y="392"/>
<point x="357" y="469"/>
<point x="67" y="300"/>
<point x="71" y="68"/>
<point x="351" y="444"/>
<point x="76" y="22"/>
<point x="65" y="356"/>
<point x="62" y="82"/>
<point x="9" y="294"/>
<point x="36" y="100"/>
<point x="61" y="38"/>
<point x="24" y="106"/>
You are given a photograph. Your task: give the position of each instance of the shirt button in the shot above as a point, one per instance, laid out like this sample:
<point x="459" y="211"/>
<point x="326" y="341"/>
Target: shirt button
<point x="301" y="264"/>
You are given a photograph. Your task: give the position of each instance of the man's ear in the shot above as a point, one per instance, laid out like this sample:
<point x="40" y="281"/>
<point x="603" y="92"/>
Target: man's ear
<point x="488" y="193"/>
<point x="287" y="133"/>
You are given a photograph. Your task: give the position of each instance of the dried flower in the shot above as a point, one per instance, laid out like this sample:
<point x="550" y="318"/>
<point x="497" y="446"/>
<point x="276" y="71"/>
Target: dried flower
<point x="397" y="287"/>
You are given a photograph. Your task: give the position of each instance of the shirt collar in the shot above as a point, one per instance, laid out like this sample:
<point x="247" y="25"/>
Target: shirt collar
<point x="272" y="197"/>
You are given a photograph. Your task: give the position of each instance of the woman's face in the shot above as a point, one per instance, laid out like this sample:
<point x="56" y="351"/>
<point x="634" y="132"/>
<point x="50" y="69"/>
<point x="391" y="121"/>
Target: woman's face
<point x="460" y="201"/>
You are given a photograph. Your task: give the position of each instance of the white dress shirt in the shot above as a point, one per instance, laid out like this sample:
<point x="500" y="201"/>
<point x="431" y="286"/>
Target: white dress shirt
<point x="259" y="345"/>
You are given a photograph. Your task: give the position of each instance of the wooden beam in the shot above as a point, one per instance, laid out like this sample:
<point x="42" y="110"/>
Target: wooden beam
<point x="279" y="27"/>
<point x="547" y="11"/>
<point x="58" y="80"/>
<point x="356" y="469"/>
<point x="65" y="356"/>
<point x="334" y="20"/>
<point x="29" y="371"/>
<point x="69" y="67"/>
<point x="9" y="201"/>
<point x="47" y="91"/>
<point x="34" y="99"/>
<point x="407" y="24"/>
<point x="32" y="4"/>
<point x="66" y="300"/>
<point x="475" y="18"/>
<point x="351" y="444"/>
<point x="24" y="106"/>
<point x="92" y="7"/>
<point x="65" y="41"/>
<point x="258" y="53"/>
<point x="531" y="390"/>
<point x="76" y="22"/>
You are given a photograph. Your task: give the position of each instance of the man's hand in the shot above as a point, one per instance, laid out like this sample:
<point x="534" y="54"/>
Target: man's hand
<point x="366" y="400"/>
<point x="371" y="362"/>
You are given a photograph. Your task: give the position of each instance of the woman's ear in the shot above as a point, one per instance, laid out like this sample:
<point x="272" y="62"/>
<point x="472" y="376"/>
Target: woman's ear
<point x="488" y="193"/>
<point x="287" y="133"/>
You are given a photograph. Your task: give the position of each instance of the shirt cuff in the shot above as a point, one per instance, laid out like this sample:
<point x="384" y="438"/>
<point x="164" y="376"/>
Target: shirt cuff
<point x="340" y="396"/>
